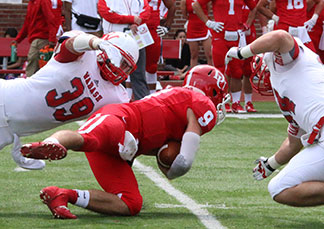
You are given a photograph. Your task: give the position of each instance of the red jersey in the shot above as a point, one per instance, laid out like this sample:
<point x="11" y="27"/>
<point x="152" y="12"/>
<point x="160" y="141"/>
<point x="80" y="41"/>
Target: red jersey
<point x="40" y="22"/>
<point x="162" y="116"/>
<point x="291" y="12"/>
<point x="229" y="12"/>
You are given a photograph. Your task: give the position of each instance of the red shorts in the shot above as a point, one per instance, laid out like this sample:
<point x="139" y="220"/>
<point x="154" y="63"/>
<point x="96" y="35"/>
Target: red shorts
<point x="102" y="133"/>
<point x="219" y="50"/>
<point x="153" y="53"/>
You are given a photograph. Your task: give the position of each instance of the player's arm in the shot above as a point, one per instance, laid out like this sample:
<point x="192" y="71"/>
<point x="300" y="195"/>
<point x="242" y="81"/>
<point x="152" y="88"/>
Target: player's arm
<point x="171" y="12"/>
<point x="189" y="147"/>
<point x="262" y="8"/>
<point x="183" y="7"/>
<point x="288" y="149"/>
<point x="317" y="11"/>
<point x="275" y="41"/>
<point x="67" y="12"/>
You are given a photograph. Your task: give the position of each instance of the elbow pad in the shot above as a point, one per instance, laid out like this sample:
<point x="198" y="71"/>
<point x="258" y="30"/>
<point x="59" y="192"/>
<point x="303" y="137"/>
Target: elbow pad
<point x="182" y="163"/>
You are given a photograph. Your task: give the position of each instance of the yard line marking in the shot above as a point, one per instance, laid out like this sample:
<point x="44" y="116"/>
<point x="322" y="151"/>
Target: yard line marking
<point x="218" y="206"/>
<point x="246" y="116"/>
<point x="203" y="215"/>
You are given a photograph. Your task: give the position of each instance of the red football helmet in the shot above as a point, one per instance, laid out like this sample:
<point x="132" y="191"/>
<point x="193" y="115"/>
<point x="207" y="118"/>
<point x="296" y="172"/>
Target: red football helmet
<point x="260" y="77"/>
<point x="128" y="48"/>
<point x="212" y="83"/>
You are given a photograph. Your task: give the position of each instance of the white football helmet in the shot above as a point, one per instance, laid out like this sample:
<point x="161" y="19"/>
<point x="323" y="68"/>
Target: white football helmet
<point x="129" y="50"/>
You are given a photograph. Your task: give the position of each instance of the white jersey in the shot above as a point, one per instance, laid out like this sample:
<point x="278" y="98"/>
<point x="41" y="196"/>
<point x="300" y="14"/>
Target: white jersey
<point x="89" y="8"/>
<point x="56" y="94"/>
<point x="125" y="7"/>
<point x="299" y="87"/>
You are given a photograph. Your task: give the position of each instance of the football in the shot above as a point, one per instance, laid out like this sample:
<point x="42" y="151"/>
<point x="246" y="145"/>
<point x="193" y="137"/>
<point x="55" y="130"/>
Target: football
<point x="168" y="153"/>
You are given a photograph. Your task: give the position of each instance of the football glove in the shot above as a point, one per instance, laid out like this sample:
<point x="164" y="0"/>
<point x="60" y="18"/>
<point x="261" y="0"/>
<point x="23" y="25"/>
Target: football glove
<point x="217" y="26"/>
<point x="233" y="52"/>
<point x="162" y="30"/>
<point x="263" y="169"/>
<point x="311" y="22"/>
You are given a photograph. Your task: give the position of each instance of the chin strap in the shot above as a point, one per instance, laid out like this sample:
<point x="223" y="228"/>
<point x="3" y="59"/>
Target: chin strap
<point x="221" y="111"/>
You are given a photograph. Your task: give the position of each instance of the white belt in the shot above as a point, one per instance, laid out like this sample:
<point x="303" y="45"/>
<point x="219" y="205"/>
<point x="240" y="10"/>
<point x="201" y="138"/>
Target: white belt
<point x="299" y="32"/>
<point x="234" y="36"/>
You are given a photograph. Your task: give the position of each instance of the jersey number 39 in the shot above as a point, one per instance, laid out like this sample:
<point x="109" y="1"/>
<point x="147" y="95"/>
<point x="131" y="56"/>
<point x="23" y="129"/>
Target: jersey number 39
<point x="80" y="107"/>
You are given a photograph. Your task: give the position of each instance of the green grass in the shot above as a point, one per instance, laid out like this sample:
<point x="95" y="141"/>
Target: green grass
<point x="221" y="176"/>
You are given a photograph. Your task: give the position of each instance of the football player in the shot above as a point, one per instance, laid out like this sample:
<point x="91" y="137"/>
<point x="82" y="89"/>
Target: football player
<point x="84" y="74"/>
<point x="116" y="134"/>
<point x="297" y="80"/>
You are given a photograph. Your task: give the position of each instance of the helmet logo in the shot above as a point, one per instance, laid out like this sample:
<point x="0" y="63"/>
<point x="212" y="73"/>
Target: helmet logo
<point x="221" y="82"/>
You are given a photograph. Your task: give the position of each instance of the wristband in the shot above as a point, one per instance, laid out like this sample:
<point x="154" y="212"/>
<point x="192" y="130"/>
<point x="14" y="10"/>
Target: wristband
<point x="314" y="17"/>
<point x="275" y="18"/>
<point x="273" y="163"/>
<point x="245" y="52"/>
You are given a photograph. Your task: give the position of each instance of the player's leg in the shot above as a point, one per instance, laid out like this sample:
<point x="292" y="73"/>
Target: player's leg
<point x="247" y="88"/>
<point x="207" y="50"/>
<point x="301" y="182"/>
<point x="219" y="50"/>
<point x="194" y="51"/>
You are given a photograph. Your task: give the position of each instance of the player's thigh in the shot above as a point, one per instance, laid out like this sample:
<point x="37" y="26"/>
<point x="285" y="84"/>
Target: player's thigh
<point x="102" y="132"/>
<point x="307" y="165"/>
<point x="115" y="176"/>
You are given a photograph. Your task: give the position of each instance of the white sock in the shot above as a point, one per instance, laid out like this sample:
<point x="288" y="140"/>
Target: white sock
<point x="83" y="198"/>
<point x="247" y="98"/>
<point x="52" y="140"/>
<point x="236" y="96"/>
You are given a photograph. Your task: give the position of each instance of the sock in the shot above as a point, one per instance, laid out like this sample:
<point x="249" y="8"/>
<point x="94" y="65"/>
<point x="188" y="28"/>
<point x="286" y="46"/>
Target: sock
<point x="236" y="96"/>
<point x="247" y="98"/>
<point x="51" y="139"/>
<point x="82" y="199"/>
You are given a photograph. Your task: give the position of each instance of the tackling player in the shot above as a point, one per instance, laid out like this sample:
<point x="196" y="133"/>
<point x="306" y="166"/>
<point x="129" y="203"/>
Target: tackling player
<point x="115" y="135"/>
<point x="84" y="75"/>
<point x="297" y="79"/>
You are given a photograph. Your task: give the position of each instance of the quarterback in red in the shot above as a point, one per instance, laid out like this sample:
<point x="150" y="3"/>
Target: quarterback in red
<point x="116" y="134"/>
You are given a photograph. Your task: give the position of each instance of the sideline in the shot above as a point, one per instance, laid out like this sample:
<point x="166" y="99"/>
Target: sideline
<point x="255" y="115"/>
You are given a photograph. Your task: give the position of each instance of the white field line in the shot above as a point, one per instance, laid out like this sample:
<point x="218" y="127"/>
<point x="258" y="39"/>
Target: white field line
<point x="203" y="215"/>
<point x="246" y="116"/>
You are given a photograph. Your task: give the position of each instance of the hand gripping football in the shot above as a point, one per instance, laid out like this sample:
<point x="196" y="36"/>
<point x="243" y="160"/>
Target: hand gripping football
<point x="168" y="153"/>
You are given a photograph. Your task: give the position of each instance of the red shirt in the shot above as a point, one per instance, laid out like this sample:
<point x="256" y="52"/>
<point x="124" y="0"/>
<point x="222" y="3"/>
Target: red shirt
<point x="292" y="13"/>
<point x="163" y="116"/>
<point x="229" y="12"/>
<point x="109" y="15"/>
<point x="40" y="22"/>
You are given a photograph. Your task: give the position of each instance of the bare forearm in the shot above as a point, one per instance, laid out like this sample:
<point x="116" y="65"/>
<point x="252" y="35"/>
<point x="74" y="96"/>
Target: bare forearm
<point x="276" y="41"/>
<point x="199" y="12"/>
<point x="289" y="148"/>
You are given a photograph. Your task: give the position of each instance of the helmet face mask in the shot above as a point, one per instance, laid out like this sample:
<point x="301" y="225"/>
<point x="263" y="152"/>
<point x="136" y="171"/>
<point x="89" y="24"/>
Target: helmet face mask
<point x="127" y="48"/>
<point x="212" y="83"/>
<point x="260" y="77"/>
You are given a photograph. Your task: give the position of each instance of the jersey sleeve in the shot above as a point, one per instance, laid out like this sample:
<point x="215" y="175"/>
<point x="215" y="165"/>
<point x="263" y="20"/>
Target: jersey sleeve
<point x="205" y="112"/>
<point x="63" y="55"/>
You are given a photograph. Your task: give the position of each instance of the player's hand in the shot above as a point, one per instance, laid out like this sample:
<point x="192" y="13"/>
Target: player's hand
<point x="310" y="24"/>
<point x="230" y="54"/>
<point x="217" y="26"/>
<point x="261" y="171"/>
<point x="112" y="52"/>
<point x="162" y="30"/>
<point x="275" y="18"/>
